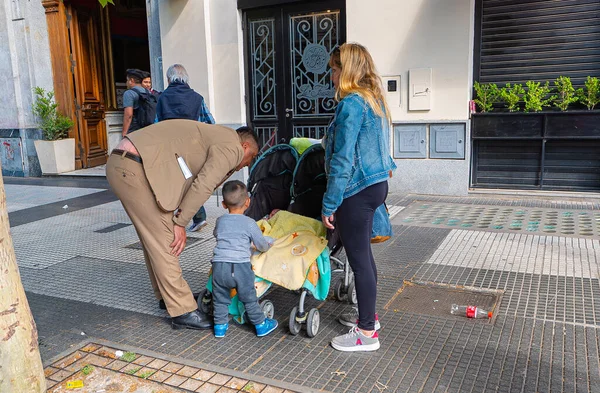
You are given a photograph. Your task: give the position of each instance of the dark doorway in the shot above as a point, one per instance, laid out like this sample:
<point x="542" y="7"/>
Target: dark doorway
<point x="129" y="41"/>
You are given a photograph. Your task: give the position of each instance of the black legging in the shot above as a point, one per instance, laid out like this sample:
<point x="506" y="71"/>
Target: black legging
<point x="354" y="220"/>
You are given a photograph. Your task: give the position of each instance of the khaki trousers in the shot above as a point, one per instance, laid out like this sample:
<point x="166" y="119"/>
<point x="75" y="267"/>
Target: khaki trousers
<point x="155" y="230"/>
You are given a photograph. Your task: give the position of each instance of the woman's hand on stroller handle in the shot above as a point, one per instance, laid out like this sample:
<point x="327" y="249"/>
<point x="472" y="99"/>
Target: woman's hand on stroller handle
<point x="328" y="221"/>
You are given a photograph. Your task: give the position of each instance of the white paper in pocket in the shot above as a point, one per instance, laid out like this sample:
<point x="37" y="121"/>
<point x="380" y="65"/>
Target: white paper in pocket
<point x="184" y="168"/>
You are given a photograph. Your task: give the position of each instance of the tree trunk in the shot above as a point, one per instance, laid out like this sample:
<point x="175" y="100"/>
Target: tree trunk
<point x="21" y="367"/>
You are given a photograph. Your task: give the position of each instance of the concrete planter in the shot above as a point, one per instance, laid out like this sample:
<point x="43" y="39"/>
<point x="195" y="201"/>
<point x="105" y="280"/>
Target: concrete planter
<point x="565" y="125"/>
<point x="56" y="156"/>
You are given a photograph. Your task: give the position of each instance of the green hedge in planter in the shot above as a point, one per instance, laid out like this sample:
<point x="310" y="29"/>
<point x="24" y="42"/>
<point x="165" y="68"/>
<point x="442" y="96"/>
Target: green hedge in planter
<point x="565" y="93"/>
<point x="512" y="95"/>
<point x="591" y="95"/>
<point x="487" y="95"/>
<point x="537" y="96"/>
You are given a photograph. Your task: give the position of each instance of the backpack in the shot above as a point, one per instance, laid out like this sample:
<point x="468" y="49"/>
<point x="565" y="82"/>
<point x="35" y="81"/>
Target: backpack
<point x="146" y="111"/>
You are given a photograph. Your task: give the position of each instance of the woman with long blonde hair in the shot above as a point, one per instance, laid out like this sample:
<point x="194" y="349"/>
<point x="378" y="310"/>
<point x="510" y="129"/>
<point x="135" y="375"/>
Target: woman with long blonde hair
<point x="358" y="165"/>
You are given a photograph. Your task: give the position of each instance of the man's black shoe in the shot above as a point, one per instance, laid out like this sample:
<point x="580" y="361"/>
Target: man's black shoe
<point x="163" y="306"/>
<point x="192" y="320"/>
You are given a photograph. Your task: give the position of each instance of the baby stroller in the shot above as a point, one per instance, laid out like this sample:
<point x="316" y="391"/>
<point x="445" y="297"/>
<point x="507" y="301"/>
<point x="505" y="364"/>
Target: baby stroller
<point x="270" y="182"/>
<point x="270" y="174"/>
<point x="308" y="187"/>
<point x="280" y="179"/>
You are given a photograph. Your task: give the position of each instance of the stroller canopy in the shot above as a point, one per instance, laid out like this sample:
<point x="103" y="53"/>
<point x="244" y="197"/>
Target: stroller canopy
<point x="310" y="182"/>
<point x="270" y="180"/>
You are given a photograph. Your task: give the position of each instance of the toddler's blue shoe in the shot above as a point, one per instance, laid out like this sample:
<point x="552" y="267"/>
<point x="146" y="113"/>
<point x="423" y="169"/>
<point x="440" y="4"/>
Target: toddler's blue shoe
<point x="266" y="327"/>
<point x="221" y="329"/>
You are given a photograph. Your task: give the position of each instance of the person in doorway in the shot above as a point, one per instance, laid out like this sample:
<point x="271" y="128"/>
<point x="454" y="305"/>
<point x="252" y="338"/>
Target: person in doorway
<point x="180" y="101"/>
<point x="162" y="188"/>
<point x="138" y="103"/>
<point x="231" y="267"/>
<point x="358" y="165"/>
<point x="147" y="84"/>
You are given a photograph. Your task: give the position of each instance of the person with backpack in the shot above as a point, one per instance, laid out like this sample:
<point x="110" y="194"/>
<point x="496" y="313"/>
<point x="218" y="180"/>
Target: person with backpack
<point x="139" y="105"/>
<point x="180" y="101"/>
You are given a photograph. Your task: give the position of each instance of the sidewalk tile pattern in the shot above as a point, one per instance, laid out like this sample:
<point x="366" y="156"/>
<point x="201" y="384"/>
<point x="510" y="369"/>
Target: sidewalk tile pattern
<point x="571" y="222"/>
<point x="545" y="337"/>
<point x="105" y="359"/>
<point x="24" y="197"/>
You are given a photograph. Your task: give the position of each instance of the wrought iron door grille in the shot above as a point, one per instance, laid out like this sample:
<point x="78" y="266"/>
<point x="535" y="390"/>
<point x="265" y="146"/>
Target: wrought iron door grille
<point x="263" y="68"/>
<point x="267" y="136"/>
<point x="313" y="38"/>
<point x="316" y="132"/>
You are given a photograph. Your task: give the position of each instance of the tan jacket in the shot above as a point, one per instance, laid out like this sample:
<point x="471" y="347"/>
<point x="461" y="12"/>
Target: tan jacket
<point x="211" y="152"/>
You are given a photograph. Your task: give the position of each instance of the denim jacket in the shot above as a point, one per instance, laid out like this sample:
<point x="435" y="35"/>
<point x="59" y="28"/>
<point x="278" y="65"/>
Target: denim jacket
<point x="357" y="145"/>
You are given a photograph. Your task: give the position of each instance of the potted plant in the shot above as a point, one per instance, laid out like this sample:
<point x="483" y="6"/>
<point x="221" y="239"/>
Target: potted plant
<point x="56" y="151"/>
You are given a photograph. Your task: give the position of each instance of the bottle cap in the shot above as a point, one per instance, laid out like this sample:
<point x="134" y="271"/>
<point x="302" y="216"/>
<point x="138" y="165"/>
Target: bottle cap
<point x="489" y="314"/>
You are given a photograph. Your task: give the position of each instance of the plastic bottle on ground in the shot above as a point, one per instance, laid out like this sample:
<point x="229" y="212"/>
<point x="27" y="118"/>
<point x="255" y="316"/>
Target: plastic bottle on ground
<point x="470" y="311"/>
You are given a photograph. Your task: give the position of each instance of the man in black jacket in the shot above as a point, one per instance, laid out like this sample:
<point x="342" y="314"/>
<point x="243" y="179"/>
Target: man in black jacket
<point x="180" y="101"/>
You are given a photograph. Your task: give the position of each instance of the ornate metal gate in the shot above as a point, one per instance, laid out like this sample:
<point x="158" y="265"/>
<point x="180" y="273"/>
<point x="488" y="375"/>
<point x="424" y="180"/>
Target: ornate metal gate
<point x="289" y="90"/>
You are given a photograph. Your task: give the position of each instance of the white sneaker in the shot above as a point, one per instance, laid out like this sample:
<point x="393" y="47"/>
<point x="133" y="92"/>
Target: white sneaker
<point x="355" y="340"/>
<point x="195" y="227"/>
<point x="350" y="319"/>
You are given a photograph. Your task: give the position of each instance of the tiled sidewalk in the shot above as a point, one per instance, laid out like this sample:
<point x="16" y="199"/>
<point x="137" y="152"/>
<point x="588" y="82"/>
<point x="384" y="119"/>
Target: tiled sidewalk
<point x="160" y="372"/>
<point x="82" y="276"/>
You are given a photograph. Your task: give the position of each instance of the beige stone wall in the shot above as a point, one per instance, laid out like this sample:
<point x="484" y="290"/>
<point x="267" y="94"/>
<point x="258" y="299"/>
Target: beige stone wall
<point x="206" y="36"/>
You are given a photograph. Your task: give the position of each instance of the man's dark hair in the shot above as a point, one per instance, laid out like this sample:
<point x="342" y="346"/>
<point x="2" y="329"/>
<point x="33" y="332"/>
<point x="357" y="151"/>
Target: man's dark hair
<point x="234" y="193"/>
<point x="247" y="134"/>
<point x="146" y="74"/>
<point x="136" y="75"/>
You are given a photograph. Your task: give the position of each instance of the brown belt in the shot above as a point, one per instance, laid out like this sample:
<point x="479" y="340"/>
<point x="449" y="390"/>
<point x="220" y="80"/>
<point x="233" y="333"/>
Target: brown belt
<point x="127" y="154"/>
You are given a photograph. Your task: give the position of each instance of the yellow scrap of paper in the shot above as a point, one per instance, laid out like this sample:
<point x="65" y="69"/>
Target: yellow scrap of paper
<point x="75" y="384"/>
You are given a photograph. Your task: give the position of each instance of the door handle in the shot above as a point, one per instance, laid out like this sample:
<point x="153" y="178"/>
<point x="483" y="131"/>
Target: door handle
<point x="288" y="111"/>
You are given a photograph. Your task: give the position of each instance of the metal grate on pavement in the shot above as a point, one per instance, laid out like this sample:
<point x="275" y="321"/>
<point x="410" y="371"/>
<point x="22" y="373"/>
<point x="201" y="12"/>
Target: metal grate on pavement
<point x="426" y="298"/>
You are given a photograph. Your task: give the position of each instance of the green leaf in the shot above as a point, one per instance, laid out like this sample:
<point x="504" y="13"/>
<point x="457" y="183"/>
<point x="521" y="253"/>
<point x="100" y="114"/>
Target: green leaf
<point x="87" y="369"/>
<point x="128" y="357"/>
<point x="133" y="370"/>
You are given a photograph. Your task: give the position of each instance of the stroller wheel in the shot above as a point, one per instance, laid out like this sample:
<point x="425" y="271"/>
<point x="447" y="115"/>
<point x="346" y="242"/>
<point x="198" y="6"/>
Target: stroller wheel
<point x="205" y="302"/>
<point x="294" y="325"/>
<point x="339" y="290"/>
<point x="352" y="293"/>
<point x="267" y="308"/>
<point x="312" y="322"/>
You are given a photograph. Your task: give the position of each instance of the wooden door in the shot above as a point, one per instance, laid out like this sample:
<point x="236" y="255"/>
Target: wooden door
<point x="90" y="135"/>
<point x="289" y="91"/>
